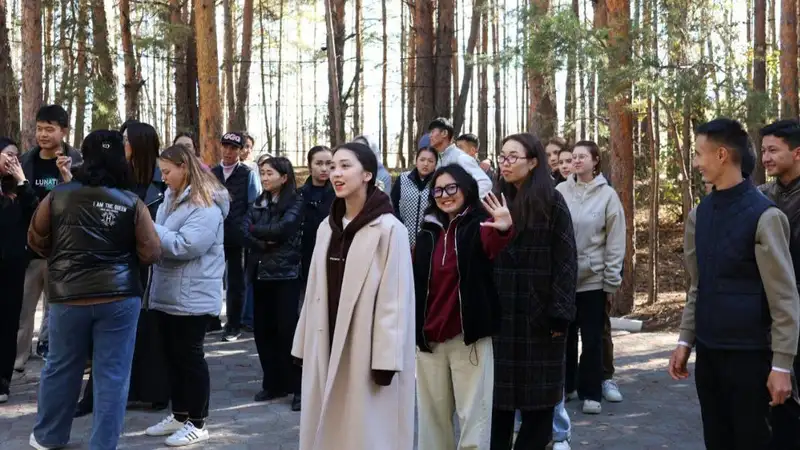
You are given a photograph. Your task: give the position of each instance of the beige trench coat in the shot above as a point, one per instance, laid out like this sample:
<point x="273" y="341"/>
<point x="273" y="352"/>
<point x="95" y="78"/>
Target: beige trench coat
<point x="342" y="407"/>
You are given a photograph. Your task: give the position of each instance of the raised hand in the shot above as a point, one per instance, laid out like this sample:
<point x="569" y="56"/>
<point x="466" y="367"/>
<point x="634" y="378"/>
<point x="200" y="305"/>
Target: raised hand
<point x="64" y="164"/>
<point x="14" y="168"/>
<point x="500" y="214"/>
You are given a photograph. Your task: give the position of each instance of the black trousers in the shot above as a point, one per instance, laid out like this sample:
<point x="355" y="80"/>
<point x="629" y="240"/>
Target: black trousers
<point x="274" y="321"/>
<point x="535" y="431"/>
<point x="190" y="382"/>
<point x="608" y="345"/>
<point x="234" y="299"/>
<point x="734" y="400"/>
<point x="12" y="280"/>
<point x="587" y="377"/>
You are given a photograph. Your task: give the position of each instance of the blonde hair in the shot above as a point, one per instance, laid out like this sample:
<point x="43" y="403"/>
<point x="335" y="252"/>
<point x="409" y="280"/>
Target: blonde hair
<point x="204" y="184"/>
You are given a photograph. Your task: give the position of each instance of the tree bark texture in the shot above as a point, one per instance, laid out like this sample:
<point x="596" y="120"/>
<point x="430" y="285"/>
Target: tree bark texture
<point x="788" y="59"/>
<point x="445" y="33"/>
<point x="466" y="81"/>
<point x="104" y="85"/>
<point x="132" y="84"/>
<point x="81" y="73"/>
<point x="243" y="87"/>
<point x="31" y="70"/>
<point x="208" y="77"/>
<point x="425" y="67"/>
<point x="758" y="101"/>
<point x="9" y="95"/>
<point x="181" y="43"/>
<point x="334" y="19"/>
<point x="542" y="116"/>
<point x="227" y="60"/>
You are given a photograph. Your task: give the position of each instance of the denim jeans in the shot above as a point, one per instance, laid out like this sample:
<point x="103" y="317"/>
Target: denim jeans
<point x="561" y="424"/>
<point x="247" y="311"/>
<point x="109" y="330"/>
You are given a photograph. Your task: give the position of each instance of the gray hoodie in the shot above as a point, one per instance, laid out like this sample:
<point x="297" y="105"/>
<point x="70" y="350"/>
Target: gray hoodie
<point x="599" y="222"/>
<point x="187" y="281"/>
<point x="384" y="178"/>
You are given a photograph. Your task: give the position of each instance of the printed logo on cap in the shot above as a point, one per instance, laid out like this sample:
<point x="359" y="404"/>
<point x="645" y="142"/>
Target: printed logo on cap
<point x="232" y="137"/>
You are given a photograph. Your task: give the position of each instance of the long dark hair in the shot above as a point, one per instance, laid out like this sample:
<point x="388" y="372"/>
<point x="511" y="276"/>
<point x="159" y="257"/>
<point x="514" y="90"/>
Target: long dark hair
<point x="191" y="136"/>
<point x="535" y="195"/>
<point x="144" y="142"/>
<point x="466" y="184"/>
<point x="366" y="158"/>
<point x="289" y="189"/>
<point x="104" y="162"/>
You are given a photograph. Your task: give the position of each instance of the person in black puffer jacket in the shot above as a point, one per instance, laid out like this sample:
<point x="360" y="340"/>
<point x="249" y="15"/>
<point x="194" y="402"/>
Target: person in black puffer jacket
<point x="17" y="203"/>
<point x="273" y="232"/>
<point x="318" y="197"/>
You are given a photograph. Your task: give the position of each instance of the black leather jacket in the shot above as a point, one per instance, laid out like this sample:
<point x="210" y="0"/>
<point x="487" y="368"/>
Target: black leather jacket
<point x="273" y="233"/>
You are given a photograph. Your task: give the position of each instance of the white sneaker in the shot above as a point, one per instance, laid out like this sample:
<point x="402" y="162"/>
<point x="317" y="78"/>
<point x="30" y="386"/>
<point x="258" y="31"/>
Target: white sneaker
<point x="187" y="435"/>
<point x="165" y="428"/>
<point x="33" y="443"/>
<point x="592" y="407"/>
<point x="3" y="398"/>
<point x="571" y="396"/>
<point x="611" y="391"/>
<point x="563" y="445"/>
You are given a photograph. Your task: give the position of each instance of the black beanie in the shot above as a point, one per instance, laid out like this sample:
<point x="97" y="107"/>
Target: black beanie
<point x="5" y="142"/>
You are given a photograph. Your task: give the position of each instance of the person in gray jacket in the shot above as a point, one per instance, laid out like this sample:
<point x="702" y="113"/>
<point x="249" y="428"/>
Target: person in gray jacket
<point x="441" y="137"/>
<point x="186" y="287"/>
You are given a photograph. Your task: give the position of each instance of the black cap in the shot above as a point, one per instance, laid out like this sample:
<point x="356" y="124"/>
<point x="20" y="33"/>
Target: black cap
<point x="233" y="139"/>
<point x="103" y="141"/>
<point x="442" y="123"/>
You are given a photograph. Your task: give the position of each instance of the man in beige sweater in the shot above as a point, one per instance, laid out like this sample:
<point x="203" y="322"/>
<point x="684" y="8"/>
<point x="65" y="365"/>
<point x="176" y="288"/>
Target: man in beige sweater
<point x="743" y="307"/>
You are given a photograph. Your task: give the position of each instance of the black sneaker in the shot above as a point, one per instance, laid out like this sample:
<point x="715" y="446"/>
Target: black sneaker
<point x="214" y="325"/>
<point x="296" y="403"/>
<point x="265" y="396"/>
<point x="42" y="349"/>
<point x="231" y="334"/>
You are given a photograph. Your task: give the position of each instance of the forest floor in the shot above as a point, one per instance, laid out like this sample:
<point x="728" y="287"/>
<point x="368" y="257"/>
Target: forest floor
<point x="665" y="313"/>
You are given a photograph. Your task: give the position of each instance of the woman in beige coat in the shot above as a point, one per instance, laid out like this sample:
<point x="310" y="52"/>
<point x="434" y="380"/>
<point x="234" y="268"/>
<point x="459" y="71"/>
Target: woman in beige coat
<point x="355" y="336"/>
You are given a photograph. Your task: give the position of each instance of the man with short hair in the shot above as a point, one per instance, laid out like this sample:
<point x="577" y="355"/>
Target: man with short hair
<point x="441" y="137"/>
<point x="244" y="187"/>
<point x="469" y="144"/>
<point x="247" y="151"/>
<point x="46" y="165"/>
<point x="742" y="308"/>
<point x="780" y="153"/>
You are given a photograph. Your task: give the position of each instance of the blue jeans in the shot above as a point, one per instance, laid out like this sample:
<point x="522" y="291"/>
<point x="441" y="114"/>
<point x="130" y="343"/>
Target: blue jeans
<point x="561" y="425"/>
<point x="247" y="311"/>
<point x="109" y="329"/>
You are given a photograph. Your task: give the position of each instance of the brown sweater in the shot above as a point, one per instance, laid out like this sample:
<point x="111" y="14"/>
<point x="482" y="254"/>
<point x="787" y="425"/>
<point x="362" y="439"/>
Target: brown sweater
<point x="377" y="204"/>
<point x="148" y="245"/>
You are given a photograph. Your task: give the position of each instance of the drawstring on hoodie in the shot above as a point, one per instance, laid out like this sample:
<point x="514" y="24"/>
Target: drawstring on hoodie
<point x="474" y="350"/>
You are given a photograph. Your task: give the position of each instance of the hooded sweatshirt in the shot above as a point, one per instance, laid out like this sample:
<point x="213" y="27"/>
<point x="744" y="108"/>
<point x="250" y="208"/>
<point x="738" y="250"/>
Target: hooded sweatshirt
<point x="342" y="235"/>
<point x="599" y="223"/>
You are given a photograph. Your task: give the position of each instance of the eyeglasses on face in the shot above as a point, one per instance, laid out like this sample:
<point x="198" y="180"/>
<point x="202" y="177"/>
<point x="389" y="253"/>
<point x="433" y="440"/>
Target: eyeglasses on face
<point x="450" y="189"/>
<point x="511" y="159"/>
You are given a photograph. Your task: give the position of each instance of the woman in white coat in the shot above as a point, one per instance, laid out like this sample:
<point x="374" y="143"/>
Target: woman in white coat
<point x="355" y="336"/>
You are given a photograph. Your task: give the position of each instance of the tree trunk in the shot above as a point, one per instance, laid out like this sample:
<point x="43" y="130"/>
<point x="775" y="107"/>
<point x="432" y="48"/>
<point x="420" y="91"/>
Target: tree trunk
<point x="599" y="97"/>
<point x="788" y="59"/>
<point x="469" y="67"/>
<point x="411" y="77"/>
<point x="357" y="92"/>
<point x="651" y="16"/>
<point x="31" y="69"/>
<point x="621" y="128"/>
<point x="571" y="103"/>
<point x="243" y="88"/>
<point x="279" y="146"/>
<point x="193" y="83"/>
<point x="443" y="82"/>
<point x="65" y="44"/>
<point x="228" y="44"/>
<point x="335" y="123"/>
<point x="132" y="84"/>
<point x="483" y="90"/>
<point x="498" y="94"/>
<point x="758" y="102"/>
<point x="384" y="73"/>
<point x="400" y="137"/>
<point x="542" y="108"/>
<point x="104" y="86"/>
<point x="9" y="95"/>
<point x="425" y="81"/>
<point x="81" y="70"/>
<point x="181" y="41"/>
<point x="262" y="47"/>
<point x="48" y="49"/>
<point x="208" y="76"/>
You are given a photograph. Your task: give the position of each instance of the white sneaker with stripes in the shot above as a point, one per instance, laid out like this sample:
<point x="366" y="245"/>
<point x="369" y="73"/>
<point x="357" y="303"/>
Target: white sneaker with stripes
<point x="165" y="428"/>
<point x="187" y="435"/>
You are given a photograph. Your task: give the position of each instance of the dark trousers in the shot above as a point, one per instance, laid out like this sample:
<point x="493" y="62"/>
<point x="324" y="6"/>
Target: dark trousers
<point x="12" y="280"/>
<point x="734" y="400"/>
<point x="234" y="300"/>
<point x="608" y="345"/>
<point x="786" y="425"/>
<point x="534" y="432"/>
<point x="275" y="319"/>
<point x="190" y="382"/>
<point x="586" y="376"/>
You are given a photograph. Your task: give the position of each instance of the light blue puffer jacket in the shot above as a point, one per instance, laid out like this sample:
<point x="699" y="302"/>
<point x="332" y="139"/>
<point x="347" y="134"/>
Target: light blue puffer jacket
<point x="188" y="278"/>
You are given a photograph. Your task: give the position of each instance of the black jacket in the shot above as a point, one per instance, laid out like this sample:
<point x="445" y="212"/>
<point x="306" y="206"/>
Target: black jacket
<point x="314" y="212"/>
<point x="94" y="243"/>
<point x="237" y="184"/>
<point x="480" y="306"/>
<point x="15" y="216"/>
<point x="27" y="159"/>
<point x="273" y="234"/>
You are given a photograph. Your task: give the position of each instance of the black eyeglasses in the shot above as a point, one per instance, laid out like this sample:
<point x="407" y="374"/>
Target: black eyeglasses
<point x="450" y="189"/>
<point x="511" y="159"/>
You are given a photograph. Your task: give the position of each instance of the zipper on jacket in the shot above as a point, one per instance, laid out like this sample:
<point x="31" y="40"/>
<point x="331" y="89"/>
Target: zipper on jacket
<point x="458" y="272"/>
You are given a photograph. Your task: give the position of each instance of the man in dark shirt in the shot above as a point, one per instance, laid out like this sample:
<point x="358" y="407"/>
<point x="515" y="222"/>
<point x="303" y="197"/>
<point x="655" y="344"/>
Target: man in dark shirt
<point x="45" y="165"/>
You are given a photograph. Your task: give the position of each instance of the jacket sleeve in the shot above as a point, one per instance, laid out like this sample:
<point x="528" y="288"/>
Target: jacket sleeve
<point x="249" y="240"/>
<point x="39" y="237"/>
<point x="253" y="187"/>
<point x="298" y="344"/>
<point x="687" y="327"/>
<point x="564" y="272"/>
<point x="195" y="236"/>
<point x="395" y="195"/>
<point x="471" y="165"/>
<point x="281" y="230"/>
<point x="394" y="306"/>
<point x="777" y="274"/>
<point x="148" y="247"/>
<point x="615" y="244"/>
<point x="26" y="197"/>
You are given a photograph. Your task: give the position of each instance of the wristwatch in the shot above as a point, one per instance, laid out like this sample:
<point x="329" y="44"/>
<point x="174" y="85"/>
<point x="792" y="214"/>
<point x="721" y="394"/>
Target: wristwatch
<point x="22" y="183"/>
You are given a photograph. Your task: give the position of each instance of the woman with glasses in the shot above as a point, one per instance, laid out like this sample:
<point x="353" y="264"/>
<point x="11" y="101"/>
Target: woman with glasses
<point x="535" y="280"/>
<point x="457" y="310"/>
<point x="600" y="238"/>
